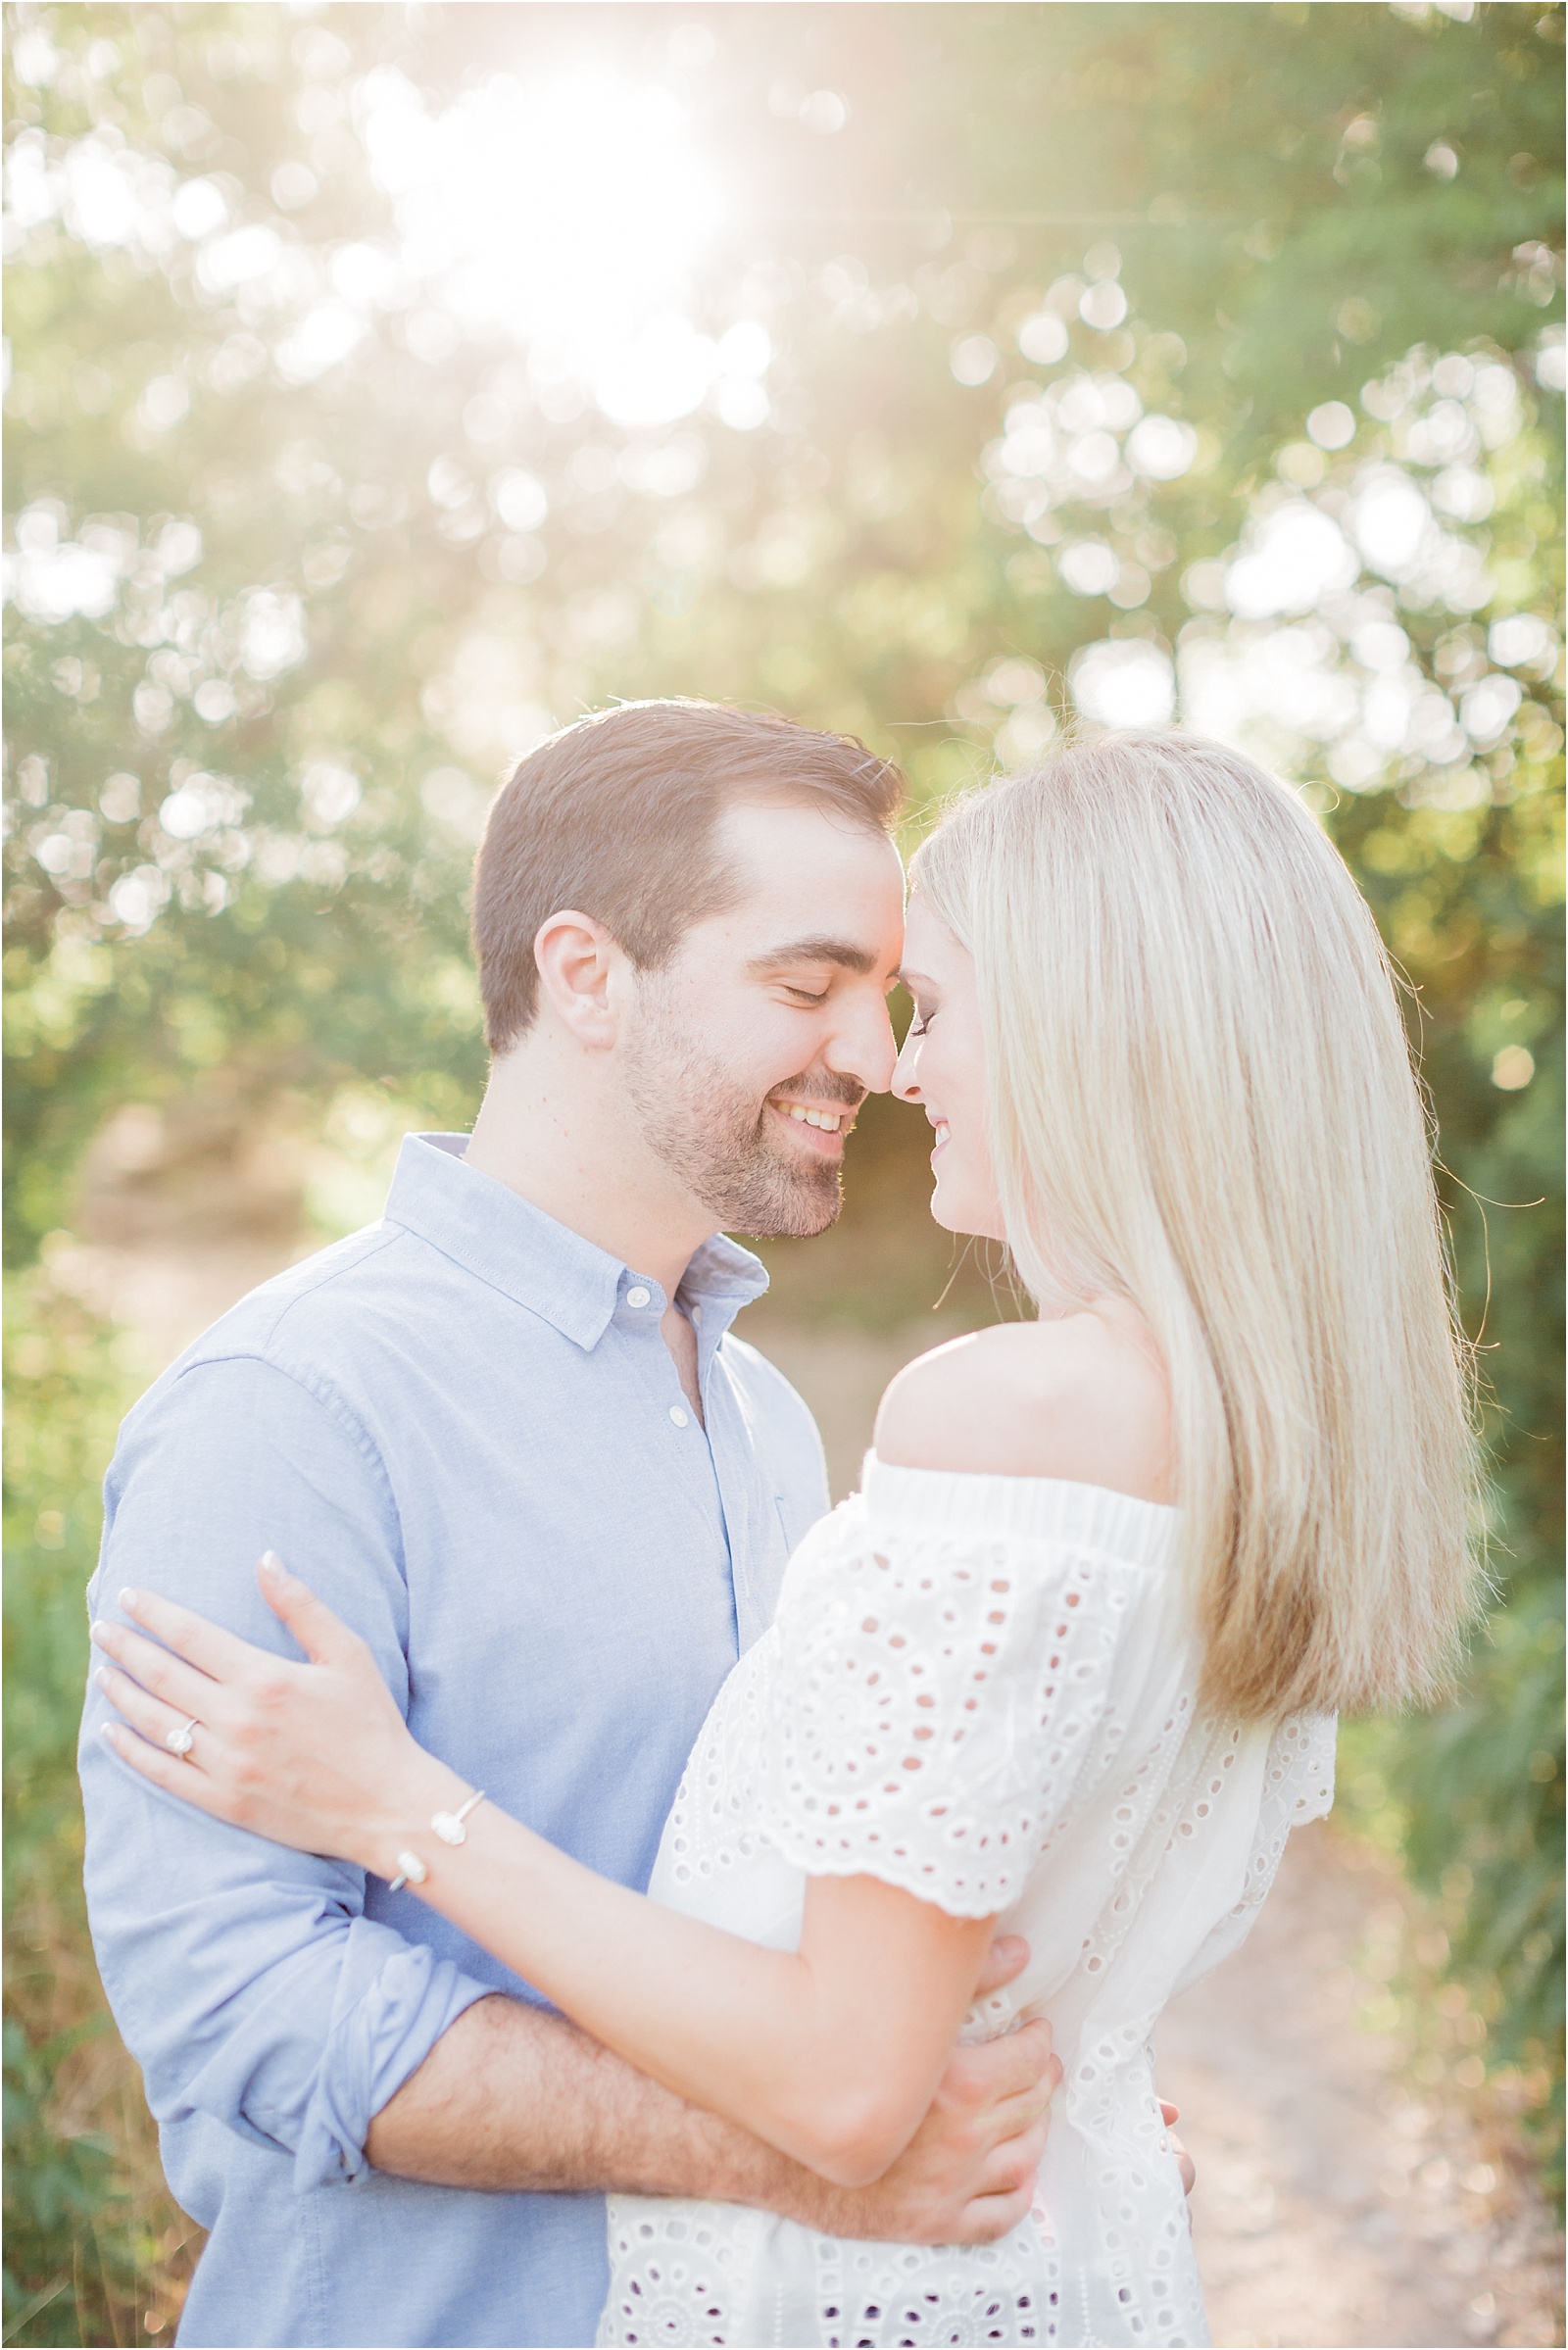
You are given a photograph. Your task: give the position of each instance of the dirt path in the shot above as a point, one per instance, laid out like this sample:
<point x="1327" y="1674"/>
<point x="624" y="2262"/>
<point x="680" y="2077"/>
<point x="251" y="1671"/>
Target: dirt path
<point x="1334" y="2208"/>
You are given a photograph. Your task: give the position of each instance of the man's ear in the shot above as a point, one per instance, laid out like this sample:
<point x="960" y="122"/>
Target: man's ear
<point x="579" y="964"/>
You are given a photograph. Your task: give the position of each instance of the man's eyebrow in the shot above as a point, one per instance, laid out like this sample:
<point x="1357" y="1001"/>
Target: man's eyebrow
<point x="842" y="952"/>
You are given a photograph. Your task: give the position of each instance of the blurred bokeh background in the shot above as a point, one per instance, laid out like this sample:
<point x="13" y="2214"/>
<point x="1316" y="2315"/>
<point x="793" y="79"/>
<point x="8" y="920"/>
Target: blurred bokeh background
<point x="391" y="384"/>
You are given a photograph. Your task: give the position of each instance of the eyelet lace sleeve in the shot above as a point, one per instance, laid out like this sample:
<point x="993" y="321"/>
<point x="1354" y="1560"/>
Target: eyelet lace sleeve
<point x="1297" y="1787"/>
<point x="935" y="1699"/>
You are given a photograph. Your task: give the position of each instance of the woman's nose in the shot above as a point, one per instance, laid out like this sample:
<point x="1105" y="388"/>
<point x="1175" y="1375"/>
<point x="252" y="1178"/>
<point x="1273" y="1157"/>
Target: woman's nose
<point x="906" y="1084"/>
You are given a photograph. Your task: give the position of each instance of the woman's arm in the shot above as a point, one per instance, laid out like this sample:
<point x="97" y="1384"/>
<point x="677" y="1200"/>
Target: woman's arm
<point x="832" y="2053"/>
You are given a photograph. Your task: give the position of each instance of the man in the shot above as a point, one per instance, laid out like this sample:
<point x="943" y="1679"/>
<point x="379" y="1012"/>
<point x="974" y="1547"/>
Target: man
<point x="506" y="1435"/>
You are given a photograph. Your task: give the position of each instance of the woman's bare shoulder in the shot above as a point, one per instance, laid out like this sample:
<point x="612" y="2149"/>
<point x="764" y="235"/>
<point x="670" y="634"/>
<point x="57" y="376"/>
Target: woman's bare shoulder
<point x="1083" y="1399"/>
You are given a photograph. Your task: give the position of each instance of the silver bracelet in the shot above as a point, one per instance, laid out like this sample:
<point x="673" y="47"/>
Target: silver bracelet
<point x="448" y="1825"/>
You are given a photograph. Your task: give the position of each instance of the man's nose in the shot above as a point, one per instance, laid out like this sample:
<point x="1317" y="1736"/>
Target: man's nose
<point x="865" y="1047"/>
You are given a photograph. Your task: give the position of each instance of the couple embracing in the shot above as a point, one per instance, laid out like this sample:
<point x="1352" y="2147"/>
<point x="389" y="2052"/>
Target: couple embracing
<point x="637" y="1825"/>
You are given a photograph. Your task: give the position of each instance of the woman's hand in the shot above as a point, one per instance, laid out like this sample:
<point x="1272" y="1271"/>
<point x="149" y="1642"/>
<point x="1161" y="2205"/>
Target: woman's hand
<point x="314" y="1755"/>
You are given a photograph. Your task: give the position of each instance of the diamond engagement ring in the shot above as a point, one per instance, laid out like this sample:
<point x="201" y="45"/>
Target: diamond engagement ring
<point x="181" y="1741"/>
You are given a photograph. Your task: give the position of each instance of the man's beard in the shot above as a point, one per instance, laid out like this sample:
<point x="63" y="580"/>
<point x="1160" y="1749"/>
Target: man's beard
<point x="716" y="1137"/>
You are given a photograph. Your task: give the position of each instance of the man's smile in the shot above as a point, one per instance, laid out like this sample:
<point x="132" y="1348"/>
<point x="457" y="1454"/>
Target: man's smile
<point x="820" y="1126"/>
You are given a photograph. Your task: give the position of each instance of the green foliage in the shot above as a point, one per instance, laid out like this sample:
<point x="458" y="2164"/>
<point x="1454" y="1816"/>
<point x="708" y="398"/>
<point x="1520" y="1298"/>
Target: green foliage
<point x="841" y="562"/>
<point x="1491" y="1773"/>
<point x="63" y="2187"/>
<point x="84" y="2210"/>
<point x="282" y="619"/>
<point x="67" y="1382"/>
<point x="1471" y="905"/>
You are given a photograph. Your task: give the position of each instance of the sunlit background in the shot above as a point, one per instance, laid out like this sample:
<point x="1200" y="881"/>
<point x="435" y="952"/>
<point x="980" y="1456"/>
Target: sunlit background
<point x="388" y="385"/>
<point x="589" y="253"/>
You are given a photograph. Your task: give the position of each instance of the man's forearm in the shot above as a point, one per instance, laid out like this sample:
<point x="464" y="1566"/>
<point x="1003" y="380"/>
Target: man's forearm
<point x="513" y="2099"/>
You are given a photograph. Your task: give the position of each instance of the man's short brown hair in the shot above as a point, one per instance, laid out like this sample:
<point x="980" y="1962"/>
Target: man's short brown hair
<point x="616" y="817"/>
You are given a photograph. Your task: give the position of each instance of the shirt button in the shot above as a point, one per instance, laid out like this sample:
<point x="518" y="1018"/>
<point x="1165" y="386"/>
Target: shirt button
<point x="678" y="1416"/>
<point x="637" y="1297"/>
<point x="697" y="1313"/>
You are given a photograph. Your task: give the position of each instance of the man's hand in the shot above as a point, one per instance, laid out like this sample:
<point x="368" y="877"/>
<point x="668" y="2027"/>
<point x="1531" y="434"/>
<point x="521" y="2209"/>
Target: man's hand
<point x="968" y="2176"/>
<point x="511" y="2098"/>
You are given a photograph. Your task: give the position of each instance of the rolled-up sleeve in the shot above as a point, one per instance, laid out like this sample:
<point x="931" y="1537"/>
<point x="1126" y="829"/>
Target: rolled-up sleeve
<point x="245" y="1978"/>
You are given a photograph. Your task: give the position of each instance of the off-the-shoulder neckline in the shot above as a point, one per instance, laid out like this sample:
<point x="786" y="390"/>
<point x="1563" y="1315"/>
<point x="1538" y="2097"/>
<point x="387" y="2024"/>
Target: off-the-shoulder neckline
<point x="1005" y="1478"/>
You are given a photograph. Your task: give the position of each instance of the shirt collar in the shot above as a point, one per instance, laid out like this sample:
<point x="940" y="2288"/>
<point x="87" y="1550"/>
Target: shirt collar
<point x="503" y="1240"/>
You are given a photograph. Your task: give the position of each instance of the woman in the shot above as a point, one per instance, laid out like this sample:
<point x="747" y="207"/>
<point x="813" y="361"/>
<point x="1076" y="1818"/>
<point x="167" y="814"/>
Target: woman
<point x="1069" y="1661"/>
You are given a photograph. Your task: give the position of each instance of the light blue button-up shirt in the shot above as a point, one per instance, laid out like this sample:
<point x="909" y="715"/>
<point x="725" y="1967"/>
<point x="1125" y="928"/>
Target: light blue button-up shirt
<point x="464" y="1428"/>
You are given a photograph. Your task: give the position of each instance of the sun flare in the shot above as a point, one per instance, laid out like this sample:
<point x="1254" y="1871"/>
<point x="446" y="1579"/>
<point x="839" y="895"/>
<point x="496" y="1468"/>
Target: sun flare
<point x="570" y="214"/>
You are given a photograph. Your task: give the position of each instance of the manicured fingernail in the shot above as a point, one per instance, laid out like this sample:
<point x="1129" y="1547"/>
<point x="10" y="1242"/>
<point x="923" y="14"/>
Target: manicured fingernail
<point x="129" y="1599"/>
<point x="101" y="1677"/>
<point x="272" y="1564"/>
<point x="110" y="1731"/>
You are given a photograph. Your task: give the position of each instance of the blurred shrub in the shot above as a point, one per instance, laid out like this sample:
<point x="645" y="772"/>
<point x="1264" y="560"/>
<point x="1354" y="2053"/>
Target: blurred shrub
<point x="93" y="2245"/>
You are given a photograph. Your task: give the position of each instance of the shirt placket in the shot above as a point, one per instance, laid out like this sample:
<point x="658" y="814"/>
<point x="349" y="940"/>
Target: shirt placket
<point x="735" y="1473"/>
<point x="656" y="1368"/>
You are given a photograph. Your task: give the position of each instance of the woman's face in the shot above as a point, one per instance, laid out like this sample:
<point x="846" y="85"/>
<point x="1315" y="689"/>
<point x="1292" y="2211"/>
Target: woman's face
<point x="943" y="1066"/>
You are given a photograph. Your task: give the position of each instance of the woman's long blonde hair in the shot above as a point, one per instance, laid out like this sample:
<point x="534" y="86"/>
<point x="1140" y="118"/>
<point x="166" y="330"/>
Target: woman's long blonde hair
<point x="1202" y="1101"/>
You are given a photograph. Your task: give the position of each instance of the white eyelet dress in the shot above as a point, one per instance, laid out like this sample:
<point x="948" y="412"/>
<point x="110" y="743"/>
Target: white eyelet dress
<point x="981" y="1689"/>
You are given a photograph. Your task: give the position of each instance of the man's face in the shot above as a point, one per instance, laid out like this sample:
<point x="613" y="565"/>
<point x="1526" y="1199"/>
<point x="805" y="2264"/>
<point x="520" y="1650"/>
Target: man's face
<point x="751" y="1050"/>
